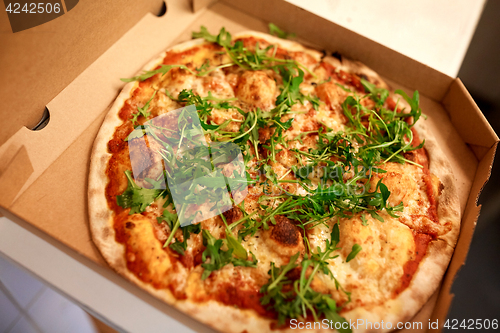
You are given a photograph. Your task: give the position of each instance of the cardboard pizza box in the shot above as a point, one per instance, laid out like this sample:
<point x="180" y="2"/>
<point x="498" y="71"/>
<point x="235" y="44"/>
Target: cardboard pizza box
<point x="73" y="67"/>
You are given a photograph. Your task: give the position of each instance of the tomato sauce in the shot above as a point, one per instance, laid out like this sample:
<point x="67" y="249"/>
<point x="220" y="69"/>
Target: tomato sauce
<point x="343" y="77"/>
<point x="243" y="298"/>
<point x="422" y="240"/>
<point x="409" y="269"/>
<point x="422" y="158"/>
<point x="173" y="58"/>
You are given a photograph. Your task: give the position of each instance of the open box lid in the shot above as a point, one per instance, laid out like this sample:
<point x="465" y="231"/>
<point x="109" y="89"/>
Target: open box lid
<point x="43" y="174"/>
<point x="38" y="63"/>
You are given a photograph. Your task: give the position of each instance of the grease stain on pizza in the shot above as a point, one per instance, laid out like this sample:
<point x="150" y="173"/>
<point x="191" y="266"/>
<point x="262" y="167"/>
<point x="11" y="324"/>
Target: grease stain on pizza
<point x="106" y="232"/>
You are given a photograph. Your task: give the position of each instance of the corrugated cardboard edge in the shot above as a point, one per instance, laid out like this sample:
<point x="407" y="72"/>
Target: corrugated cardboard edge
<point x="15" y="170"/>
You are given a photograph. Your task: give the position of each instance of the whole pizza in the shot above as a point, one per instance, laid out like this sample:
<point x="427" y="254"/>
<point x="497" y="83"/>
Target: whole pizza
<point x="259" y="185"/>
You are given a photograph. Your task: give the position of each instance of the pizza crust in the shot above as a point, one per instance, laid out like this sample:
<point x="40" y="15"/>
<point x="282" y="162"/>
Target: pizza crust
<point x="227" y="318"/>
<point x="449" y="205"/>
<point x="288" y="45"/>
<point x="100" y="216"/>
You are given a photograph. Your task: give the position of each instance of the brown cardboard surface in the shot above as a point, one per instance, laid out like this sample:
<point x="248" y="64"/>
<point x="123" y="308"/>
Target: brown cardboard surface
<point x="36" y="62"/>
<point x="73" y="110"/>
<point x="17" y="171"/>
<point x="467" y="118"/>
<point x="200" y="4"/>
<point x="52" y="164"/>
<point x="60" y="194"/>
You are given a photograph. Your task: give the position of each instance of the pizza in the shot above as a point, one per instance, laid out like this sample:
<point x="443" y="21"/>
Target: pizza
<point x="257" y="185"/>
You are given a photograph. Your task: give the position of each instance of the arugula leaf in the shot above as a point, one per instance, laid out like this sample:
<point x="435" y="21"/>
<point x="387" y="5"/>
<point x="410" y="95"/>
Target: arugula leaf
<point x="278" y="276"/>
<point x="277" y="292"/>
<point x="173" y="223"/>
<point x="364" y="221"/>
<point x="143" y="111"/>
<point x="204" y="106"/>
<point x="244" y="262"/>
<point x="204" y="66"/>
<point x="297" y="299"/>
<point x="388" y="136"/>
<point x="181" y="247"/>
<point x="233" y="243"/>
<point x="167" y="217"/>
<point x="208" y="126"/>
<point x="138" y="132"/>
<point x="223" y="38"/>
<point x="354" y="251"/>
<point x="218" y="257"/>
<point x="304" y="171"/>
<point x="330" y="313"/>
<point x="379" y="95"/>
<point x="136" y="198"/>
<point x="414" y="102"/>
<point x="275" y="31"/>
<point x="335" y="235"/>
<point x="250" y="60"/>
<point x="376" y="216"/>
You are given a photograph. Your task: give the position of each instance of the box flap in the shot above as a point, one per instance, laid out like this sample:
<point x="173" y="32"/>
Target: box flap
<point x="468" y="120"/>
<point x="36" y="64"/>
<point x="333" y="37"/>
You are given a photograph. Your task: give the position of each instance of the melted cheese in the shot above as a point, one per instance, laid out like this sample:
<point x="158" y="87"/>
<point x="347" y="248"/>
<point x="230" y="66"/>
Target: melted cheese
<point x="376" y="271"/>
<point x="257" y="89"/>
<point x="145" y="250"/>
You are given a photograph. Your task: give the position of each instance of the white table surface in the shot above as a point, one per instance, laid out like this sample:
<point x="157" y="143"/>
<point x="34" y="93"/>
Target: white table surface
<point x="436" y="33"/>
